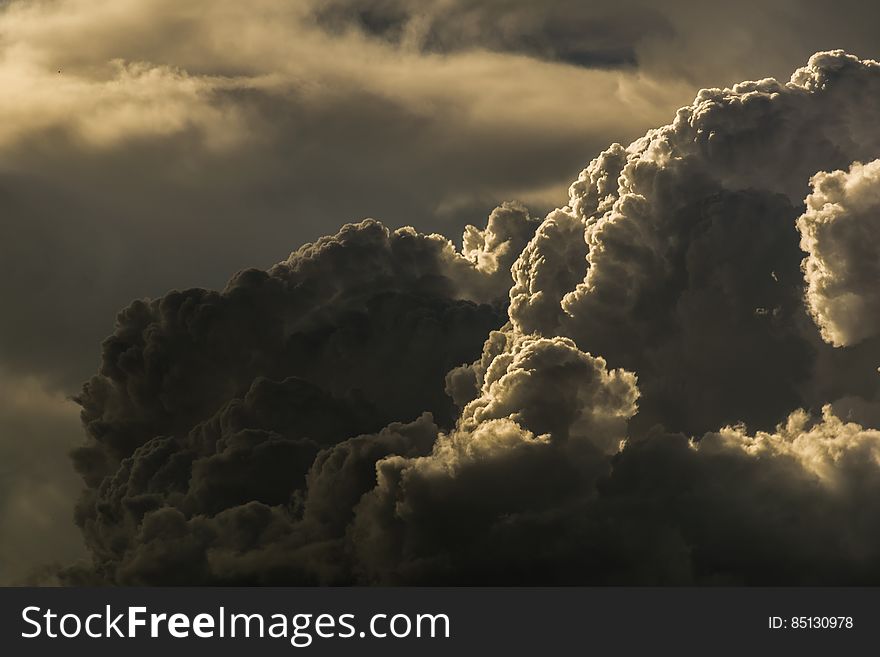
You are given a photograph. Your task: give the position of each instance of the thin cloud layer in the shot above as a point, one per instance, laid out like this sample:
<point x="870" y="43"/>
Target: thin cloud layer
<point x="655" y="406"/>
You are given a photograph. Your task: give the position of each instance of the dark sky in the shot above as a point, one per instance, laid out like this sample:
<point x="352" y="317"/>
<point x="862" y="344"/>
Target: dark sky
<point x="150" y="145"/>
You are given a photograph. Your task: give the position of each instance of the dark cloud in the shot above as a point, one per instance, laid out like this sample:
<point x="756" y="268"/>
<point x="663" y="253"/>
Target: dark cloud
<point x="788" y="508"/>
<point x="237" y="437"/>
<point x="351" y="332"/>
<point x="483" y="506"/>
<point x="635" y="417"/>
<point x="166" y="158"/>
<point x="747" y="40"/>
<point x="220" y="138"/>
<point x="255" y="539"/>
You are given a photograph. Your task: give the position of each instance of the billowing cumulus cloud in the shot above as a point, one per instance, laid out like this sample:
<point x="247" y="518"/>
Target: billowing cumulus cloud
<point x="203" y="394"/>
<point x="368" y="311"/>
<point x="247" y="130"/>
<point x="840" y="231"/>
<point x="676" y="257"/>
<point x="597" y="36"/>
<point x="523" y="455"/>
<point x="634" y="391"/>
<point x="792" y="506"/>
<point x="149" y="145"/>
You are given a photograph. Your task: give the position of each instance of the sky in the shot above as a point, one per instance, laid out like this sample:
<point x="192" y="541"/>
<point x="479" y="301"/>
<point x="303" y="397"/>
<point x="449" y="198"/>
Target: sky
<point x="152" y="145"/>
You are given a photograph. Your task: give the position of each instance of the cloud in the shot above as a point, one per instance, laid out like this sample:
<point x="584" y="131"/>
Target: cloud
<point x="148" y="145"/>
<point x="38" y="427"/>
<point x="840" y="232"/>
<point x="784" y="507"/>
<point x="232" y="130"/>
<point x="258" y="541"/>
<point x="347" y="298"/>
<point x="523" y="453"/>
<point x="677" y="258"/>
<point x="134" y="161"/>
<point x="669" y="41"/>
<point x="209" y="401"/>
<point x="332" y="420"/>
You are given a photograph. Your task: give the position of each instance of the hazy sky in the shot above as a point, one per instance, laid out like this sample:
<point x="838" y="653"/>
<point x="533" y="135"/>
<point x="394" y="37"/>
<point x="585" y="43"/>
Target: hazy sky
<point x="147" y="145"/>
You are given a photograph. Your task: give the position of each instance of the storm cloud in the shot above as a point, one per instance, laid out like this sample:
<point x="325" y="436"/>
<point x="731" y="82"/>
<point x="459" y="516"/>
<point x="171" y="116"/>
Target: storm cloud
<point x="349" y="333"/>
<point x="148" y="145"/>
<point x="687" y="249"/>
<point x="639" y="390"/>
